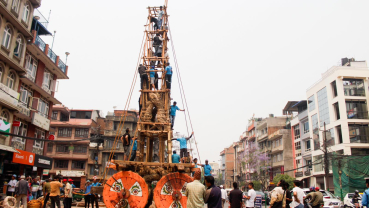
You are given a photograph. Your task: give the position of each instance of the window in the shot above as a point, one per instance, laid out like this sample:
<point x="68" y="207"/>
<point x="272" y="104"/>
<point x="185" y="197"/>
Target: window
<point x="62" y="149"/>
<point x="43" y="108"/>
<point x="296" y="130"/>
<point x="26" y="13"/>
<point x="80" y="149"/>
<point x="1" y="72"/>
<point x="359" y="151"/>
<point x="356" y="110"/>
<point x="81" y="114"/>
<point x="15" y="5"/>
<point x="298" y="164"/>
<point x="297" y="145"/>
<point x="337" y="110"/>
<point x="110" y="144"/>
<point x="21" y="131"/>
<point x="40" y="134"/>
<point x="61" y="163"/>
<point x="18" y="50"/>
<point x="50" y="147"/>
<point x="10" y="81"/>
<point x="31" y="66"/>
<point x="7" y="37"/>
<point x="78" y="164"/>
<point x="4" y="116"/>
<point x="334" y="88"/>
<point x="116" y="125"/>
<point x="315" y="125"/>
<point x="81" y="133"/>
<point x="55" y="115"/>
<point x="48" y="82"/>
<point x="25" y="96"/>
<point x="311" y="103"/>
<point x="64" y="132"/>
<point x="359" y="133"/>
<point x="318" y="163"/>
<point x="353" y="87"/>
<point x="323" y="106"/>
<point x="306" y="127"/>
<point x="339" y="134"/>
<point x="307" y="146"/>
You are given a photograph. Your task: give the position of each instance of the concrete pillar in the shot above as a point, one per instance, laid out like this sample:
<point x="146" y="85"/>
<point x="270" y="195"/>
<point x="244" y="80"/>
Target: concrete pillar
<point x="83" y="182"/>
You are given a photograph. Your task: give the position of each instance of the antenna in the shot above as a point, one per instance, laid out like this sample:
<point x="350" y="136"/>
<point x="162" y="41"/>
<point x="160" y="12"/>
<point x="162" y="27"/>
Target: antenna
<point x="48" y="19"/>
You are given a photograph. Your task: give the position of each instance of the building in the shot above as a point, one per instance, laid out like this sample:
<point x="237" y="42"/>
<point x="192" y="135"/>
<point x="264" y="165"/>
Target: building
<point x="301" y="140"/>
<point x="73" y="131"/>
<point x="28" y="72"/>
<point x="109" y="129"/>
<point x="338" y="102"/>
<point x="215" y="169"/>
<point x="227" y="165"/>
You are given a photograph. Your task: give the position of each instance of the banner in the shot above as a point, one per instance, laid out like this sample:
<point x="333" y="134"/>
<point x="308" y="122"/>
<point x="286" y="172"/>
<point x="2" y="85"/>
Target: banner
<point x="4" y="126"/>
<point x="23" y="157"/>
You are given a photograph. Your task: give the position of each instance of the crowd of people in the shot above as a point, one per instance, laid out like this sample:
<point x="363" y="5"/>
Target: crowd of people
<point x="58" y="190"/>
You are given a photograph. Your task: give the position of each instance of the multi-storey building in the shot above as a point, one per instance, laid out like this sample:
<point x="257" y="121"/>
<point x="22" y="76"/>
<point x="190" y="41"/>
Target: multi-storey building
<point x="227" y="167"/>
<point x="109" y="127"/>
<point x="339" y="101"/>
<point x="215" y="169"/>
<point x="301" y="140"/>
<point x="73" y="131"/>
<point x="28" y="72"/>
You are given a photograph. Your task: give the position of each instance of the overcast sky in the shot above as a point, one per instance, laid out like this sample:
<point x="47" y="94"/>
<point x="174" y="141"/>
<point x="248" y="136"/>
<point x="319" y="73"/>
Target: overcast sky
<point x="237" y="57"/>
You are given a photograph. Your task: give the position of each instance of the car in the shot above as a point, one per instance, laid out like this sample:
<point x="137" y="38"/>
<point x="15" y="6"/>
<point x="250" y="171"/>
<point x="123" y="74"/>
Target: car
<point x="262" y="196"/>
<point x="347" y="201"/>
<point x="330" y="201"/>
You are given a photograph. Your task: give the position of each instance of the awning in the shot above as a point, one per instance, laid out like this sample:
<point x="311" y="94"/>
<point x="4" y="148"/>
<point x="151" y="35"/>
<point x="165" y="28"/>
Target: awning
<point x="39" y="27"/>
<point x="8" y="148"/>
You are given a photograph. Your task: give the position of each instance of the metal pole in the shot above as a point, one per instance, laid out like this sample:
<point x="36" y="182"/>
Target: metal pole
<point x="326" y="162"/>
<point x="52" y="45"/>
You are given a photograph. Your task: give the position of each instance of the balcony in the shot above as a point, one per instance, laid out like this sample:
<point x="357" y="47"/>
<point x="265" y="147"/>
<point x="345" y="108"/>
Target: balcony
<point x="277" y="149"/>
<point x="278" y="164"/>
<point x="299" y="174"/>
<point x="18" y="143"/>
<point x="353" y="91"/>
<point x="48" y="57"/>
<point x="8" y="97"/>
<point x="353" y="114"/>
<point x="359" y="139"/>
<point x="26" y="80"/>
<point x="36" y="3"/>
<point x="262" y="137"/>
<point x="276" y="134"/>
<point x="40" y="121"/>
<point x="117" y="118"/>
<point x="307" y="173"/>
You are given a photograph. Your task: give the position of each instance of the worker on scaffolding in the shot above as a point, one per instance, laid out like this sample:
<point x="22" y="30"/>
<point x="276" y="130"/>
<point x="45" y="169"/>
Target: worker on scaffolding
<point x="160" y="16"/>
<point x="175" y="157"/>
<point x="143" y="76"/>
<point x="172" y="113"/>
<point x="158" y="40"/>
<point x="133" y="147"/>
<point x="168" y="75"/>
<point x="152" y="77"/>
<point x="183" y="145"/>
<point x="126" y="140"/>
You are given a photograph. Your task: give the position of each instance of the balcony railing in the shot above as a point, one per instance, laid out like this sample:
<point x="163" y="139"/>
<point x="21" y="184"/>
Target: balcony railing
<point x="40" y="43"/>
<point x="357" y="114"/>
<point x="359" y="139"/>
<point x="354" y="91"/>
<point x="299" y="174"/>
<point x="62" y="65"/>
<point x="23" y="109"/>
<point x="18" y="143"/>
<point x="52" y="55"/>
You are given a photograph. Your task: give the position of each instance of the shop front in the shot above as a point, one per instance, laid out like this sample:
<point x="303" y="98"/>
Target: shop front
<point x="43" y="164"/>
<point x="6" y="172"/>
<point x="78" y="177"/>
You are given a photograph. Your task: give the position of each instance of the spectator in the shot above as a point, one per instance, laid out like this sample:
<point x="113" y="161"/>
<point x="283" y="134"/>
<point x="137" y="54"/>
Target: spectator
<point x="95" y="197"/>
<point x="213" y="196"/>
<point x="11" y="186"/>
<point x="175" y="157"/>
<point x="134" y="149"/>
<point x="46" y="190"/>
<point x="21" y="191"/>
<point x="67" y="194"/>
<point x="39" y="191"/>
<point x="88" y="194"/>
<point x="365" y="198"/>
<point x="71" y="183"/>
<point x="173" y="111"/>
<point x="235" y="197"/>
<point x="126" y="140"/>
<point x="298" y="195"/>
<point x="207" y="168"/>
<point x="316" y="197"/>
<point x="168" y="76"/>
<point x="55" y="192"/>
<point x="143" y="76"/>
<point x="34" y="188"/>
<point x="224" y="195"/>
<point x="278" y="196"/>
<point x="152" y="77"/>
<point x="195" y="192"/>
<point x="251" y="195"/>
<point x="183" y="145"/>
<point x="288" y="193"/>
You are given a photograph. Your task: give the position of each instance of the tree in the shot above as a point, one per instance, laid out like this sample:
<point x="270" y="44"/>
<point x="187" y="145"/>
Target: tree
<point x="285" y="177"/>
<point x="257" y="185"/>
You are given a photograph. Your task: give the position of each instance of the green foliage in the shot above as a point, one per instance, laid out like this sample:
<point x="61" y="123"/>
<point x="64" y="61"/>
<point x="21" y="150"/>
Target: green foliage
<point x="287" y="178"/>
<point x="257" y="185"/>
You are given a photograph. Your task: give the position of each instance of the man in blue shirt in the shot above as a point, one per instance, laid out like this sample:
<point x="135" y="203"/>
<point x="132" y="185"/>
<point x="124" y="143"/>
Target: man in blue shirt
<point x="87" y="191"/>
<point x="207" y="168"/>
<point x="172" y="113"/>
<point x="152" y="76"/>
<point x="175" y="157"/>
<point x="365" y="198"/>
<point x="134" y="149"/>
<point x="168" y="75"/>
<point x="183" y="145"/>
<point x="95" y="197"/>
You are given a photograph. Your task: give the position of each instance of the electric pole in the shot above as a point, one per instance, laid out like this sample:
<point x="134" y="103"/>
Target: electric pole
<point x="326" y="161"/>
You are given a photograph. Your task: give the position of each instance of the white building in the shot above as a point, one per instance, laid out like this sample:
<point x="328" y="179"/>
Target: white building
<point x="340" y="100"/>
<point x="215" y="169"/>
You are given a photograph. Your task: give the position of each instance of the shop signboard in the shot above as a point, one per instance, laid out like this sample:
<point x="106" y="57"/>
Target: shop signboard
<point x="45" y="172"/>
<point x="43" y="161"/>
<point x="71" y="173"/>
<point x="23" y="157"/>
<point x="258" y="201"/>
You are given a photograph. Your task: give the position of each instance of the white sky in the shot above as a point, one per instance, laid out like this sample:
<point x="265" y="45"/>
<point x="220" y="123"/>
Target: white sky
<point x="236" y="58"/>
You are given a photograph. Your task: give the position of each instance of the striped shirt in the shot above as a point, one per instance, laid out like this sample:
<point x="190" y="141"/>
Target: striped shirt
<point x="195" y="192"/>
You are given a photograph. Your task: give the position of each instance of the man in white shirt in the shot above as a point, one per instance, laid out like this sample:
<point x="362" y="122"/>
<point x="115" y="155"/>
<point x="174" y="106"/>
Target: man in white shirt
<point x="224" y="194"/>
<point x="298" y="196"/>
<point x="251" y="195"/>
<point x="11" y="184"/>
<point x="160" y="16"/>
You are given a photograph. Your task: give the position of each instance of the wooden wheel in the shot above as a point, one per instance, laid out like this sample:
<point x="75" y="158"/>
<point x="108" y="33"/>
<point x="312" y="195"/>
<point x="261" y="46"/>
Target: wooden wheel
<point x="170" y="189"/>
<point x="125" y="189"/>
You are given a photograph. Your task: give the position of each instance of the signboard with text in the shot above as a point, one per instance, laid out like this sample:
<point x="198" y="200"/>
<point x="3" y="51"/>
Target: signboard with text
<point x="23" y="157"/>
<point x="258" y="201"/>
<point x="43" y="161"/>
<point x="40" y="121"/>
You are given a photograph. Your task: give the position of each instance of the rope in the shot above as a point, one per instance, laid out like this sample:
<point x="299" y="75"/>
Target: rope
<point x="184" y="95"/>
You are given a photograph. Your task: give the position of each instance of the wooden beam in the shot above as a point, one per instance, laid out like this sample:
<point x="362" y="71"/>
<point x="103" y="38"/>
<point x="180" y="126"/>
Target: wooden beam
<point x="128" y="163"/>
